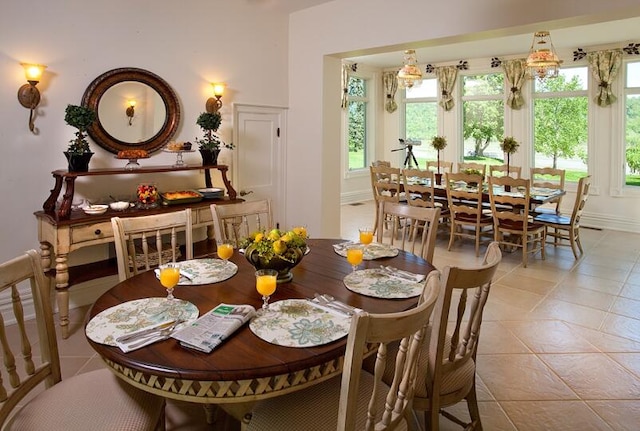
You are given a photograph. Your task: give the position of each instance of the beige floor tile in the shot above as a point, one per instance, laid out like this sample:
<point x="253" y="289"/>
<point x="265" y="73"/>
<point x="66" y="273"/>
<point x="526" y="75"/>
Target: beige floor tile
<point x="622" y="415"/>
<point x="587" y="297"/>
<point x="560" y="310"/>
<point x="514" y="298"/>
<point x="630" y="290"/>
<point x="584" y="281"/>
<point x="630" y="361"/>
<point x="622" y="326"/>
<point x="495" y="338"/>
<point x="605" y="342"/>
<point x="627" y="307"/>
<point x="517" y="280"/>
<point x="521" y="377"/>
<point x="553" y="415"/>
<point x="594" y="376"/>
<point x="547" y="336"/>
<point x="603" y="271"/>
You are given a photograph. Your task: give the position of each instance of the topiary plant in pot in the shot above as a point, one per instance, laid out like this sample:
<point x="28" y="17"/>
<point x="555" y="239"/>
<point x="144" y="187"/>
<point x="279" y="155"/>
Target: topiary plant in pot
<point x="509" y="146"/>
<point x="79" y="153"/>
<point x="211" y="143"/>
<point x="439" y="143"/>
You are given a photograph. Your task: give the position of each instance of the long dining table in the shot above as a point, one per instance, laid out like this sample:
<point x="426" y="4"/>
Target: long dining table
<point x="244" y="368"/>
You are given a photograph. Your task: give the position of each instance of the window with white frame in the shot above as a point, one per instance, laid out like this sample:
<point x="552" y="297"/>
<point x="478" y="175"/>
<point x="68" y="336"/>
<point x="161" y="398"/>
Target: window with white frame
<point x="632" y="123"/>
<point x="560" y="131"/>
<point x="483" y="117"/>
<point x="421" y="119"/>
<point x="358" y="122"/>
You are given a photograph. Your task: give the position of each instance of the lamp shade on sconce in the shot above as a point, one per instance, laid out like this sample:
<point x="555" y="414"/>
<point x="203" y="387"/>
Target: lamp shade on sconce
<point x="28" y="94"/>
<point x="214" y="104"/>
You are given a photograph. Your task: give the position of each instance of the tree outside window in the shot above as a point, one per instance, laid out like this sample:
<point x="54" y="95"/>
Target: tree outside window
<point x="632" y="123"/>
<point x="357" y="123"/>
<point x="560" y="122"/>
<point x="483" y="117"/>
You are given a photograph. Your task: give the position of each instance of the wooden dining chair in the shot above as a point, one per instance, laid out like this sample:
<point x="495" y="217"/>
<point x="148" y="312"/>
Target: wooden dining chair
<point x="501" y="170"/>
<point x="409" y="228"/>
<point x="145" y="242"/>
<point x="512" y="225"/>
<point x="420" y="191"/>
<point x="467" y="218"/>
<point x="386" y="186"/>
<point x="565" y="229"/>
<point x="360" y="400"/>
<point x="233" y="222"/>
<point x="33" y="395"/>
<point x="447" y="366"/>
<point x="465" y="166"/>
<point x="550" y="178"/>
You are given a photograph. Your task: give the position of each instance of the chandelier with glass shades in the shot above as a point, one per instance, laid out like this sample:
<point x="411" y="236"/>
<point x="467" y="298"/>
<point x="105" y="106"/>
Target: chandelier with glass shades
<point x="542" y="62"/>
<point x="410" y="73"/>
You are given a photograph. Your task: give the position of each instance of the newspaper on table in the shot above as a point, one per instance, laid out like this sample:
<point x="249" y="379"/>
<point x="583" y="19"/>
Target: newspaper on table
<point x="212" y="328"/>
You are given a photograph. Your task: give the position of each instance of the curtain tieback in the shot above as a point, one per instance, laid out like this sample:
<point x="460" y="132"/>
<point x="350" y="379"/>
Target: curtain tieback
<point x="445" y="93"/>
<point x="514" y="89"/>
<point x="604" y="85"/>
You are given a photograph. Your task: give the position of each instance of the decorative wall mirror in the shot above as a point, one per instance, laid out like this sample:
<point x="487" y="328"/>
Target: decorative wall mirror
<point x="147" y="125"/>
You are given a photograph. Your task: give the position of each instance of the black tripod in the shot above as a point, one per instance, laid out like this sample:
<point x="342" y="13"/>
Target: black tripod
<point x="410" y="157"/>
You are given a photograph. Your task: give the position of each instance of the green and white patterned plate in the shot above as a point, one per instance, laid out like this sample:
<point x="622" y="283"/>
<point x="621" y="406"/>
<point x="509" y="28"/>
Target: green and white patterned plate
<point x="205" y="271"/>
<point x="371" y="251"/>
<point x="298" y="323"/>
<point x="378" y="284"/>
<point x="132" y="316"/>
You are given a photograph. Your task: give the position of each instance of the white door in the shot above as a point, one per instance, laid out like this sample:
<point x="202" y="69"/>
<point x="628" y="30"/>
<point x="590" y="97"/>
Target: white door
<point x="258" y="168"/>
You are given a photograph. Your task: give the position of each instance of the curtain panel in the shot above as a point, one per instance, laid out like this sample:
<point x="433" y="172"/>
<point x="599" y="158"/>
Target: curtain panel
<point x="605" y="66"/>
<point x="446" y="80"/>
<point x="390" y="84"/>
<point x="515" y="71"/>
<point x="345" y="85"/>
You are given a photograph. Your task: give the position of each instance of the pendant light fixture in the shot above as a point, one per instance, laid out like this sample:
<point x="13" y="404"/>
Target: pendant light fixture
<point x="542" y="62"/>
<point x="410" y="72"/>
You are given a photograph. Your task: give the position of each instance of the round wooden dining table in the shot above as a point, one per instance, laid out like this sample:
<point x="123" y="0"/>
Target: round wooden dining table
<point x="244" y="368"/>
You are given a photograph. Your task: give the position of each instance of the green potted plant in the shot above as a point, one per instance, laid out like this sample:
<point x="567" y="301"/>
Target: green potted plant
<point x="79" y="153"/>
<point x="211" y="143"/>
<point x="439" y="143"/>
<point x="509" y="146"/>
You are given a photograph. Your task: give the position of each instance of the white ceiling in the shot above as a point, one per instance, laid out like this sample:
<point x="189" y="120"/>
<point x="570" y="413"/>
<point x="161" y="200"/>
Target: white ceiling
<point x="566" y="40"/>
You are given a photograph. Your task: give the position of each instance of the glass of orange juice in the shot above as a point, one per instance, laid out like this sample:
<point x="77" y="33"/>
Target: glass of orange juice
<point x="266" y="286"/>
<point x="225" y="250"/>
<point x="366" y="236"/>
<point x="354" y="257"/>
<point x="169" y="277"/>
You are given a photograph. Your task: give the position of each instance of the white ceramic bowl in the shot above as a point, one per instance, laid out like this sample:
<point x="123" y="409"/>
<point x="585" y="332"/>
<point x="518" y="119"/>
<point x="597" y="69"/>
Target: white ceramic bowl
<point x="95" y="209"/>
<point x="119" y="205"/>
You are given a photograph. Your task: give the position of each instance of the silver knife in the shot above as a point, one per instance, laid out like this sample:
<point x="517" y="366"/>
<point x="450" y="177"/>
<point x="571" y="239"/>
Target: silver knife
<point x="143" y="332"/>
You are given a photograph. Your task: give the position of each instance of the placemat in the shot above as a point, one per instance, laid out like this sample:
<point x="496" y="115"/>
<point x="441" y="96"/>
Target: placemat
<point x="204" y="271"/>
<point x="299" y="323"/>
<point x="379" y="284"/>
<point x="132" y="316"/>
<point x="371" y="251"/>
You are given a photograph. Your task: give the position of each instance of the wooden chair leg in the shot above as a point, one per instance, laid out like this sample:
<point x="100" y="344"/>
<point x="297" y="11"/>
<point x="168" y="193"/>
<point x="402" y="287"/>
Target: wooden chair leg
<point x="474" y="412"/>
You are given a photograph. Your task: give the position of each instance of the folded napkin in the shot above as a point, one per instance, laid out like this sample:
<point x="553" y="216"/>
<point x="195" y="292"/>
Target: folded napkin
<point x="144" y="337"/>
<point x="405" y="275"/>
<point x="343" y="245"/>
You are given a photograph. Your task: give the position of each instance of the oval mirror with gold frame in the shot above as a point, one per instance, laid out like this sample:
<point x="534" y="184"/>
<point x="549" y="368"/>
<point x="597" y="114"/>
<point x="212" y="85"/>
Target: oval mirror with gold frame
<point x="151" y="123"/>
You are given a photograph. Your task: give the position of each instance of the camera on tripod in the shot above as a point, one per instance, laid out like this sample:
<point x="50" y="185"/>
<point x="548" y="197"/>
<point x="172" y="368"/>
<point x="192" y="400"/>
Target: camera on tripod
<point x="408" y="144"/>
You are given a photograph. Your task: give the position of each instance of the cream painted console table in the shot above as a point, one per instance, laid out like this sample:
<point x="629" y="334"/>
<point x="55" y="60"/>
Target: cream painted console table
<point x="62" y="230"/>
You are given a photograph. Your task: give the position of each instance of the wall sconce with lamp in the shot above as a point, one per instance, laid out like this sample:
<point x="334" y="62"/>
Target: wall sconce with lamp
<point x="28" y="94"/>
<point x="213" y="105"/>
<point x="130" y="110"/>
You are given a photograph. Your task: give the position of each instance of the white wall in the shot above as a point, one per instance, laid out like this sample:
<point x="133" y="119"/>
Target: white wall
<point x="340" y="28"/>
<point x="189" y="44"/>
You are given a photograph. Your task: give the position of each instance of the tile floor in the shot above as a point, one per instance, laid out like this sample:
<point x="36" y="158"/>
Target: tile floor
<point x="560" y="345"/>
